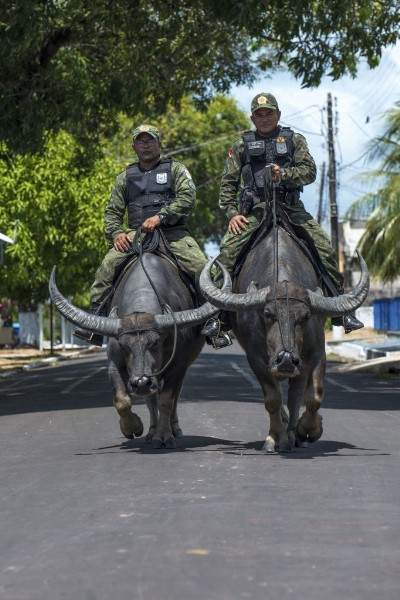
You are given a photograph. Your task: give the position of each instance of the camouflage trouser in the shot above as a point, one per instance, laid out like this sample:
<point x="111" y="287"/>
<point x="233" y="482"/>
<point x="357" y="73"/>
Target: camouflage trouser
<point x="231" y="244"/>
<point x="185" y="248"/>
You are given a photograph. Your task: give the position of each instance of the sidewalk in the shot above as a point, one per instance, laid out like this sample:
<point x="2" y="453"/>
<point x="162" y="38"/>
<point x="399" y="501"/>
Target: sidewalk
<point x="13" y="360"/>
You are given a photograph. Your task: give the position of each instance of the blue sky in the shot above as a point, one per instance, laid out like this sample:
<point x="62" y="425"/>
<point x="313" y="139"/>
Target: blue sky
<point x="359" y="103"/>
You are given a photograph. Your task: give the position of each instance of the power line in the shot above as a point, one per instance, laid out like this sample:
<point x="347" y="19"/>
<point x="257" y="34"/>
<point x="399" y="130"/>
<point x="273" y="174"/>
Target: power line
<point x="207" y="142"/>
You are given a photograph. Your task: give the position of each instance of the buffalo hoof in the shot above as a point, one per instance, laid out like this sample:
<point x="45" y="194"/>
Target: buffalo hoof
<point x="315" y="437"/>
<point x="301" y="444"/>
<point x="268" y="448"/>
<point x="168" y="443"/>
<point x="285" y="447"/>
<point x="131" y="427"/>
<point x="178" y="433"/>
<point x="303" y="439"/>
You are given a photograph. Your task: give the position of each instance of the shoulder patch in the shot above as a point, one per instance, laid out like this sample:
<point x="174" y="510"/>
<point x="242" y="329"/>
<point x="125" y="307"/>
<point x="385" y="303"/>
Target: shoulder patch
<point x="188" y="175"/>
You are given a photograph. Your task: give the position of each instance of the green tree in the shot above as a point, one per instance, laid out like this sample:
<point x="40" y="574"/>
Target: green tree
<point x="75" y="65"/>
<point x="380" y="243"/>
<point x="60" y="210"/>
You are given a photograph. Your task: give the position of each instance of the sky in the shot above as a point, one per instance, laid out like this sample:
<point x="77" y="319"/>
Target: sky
<point x="359" y="105"/>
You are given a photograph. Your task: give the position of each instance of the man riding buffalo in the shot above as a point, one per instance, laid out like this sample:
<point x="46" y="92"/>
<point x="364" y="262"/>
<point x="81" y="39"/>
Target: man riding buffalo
<point x="286" y="153"/>
<point x="157" y="192"/>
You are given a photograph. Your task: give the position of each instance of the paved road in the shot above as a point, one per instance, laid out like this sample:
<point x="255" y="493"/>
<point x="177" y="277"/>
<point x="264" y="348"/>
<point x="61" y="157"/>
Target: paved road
<point x="88" y="515"/>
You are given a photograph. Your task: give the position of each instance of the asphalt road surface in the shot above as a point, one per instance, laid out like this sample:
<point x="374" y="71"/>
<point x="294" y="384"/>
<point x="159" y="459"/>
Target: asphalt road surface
<point x="88" y="515"/>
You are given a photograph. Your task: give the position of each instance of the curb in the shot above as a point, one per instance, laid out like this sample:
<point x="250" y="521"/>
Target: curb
<point x="45" y="362"/>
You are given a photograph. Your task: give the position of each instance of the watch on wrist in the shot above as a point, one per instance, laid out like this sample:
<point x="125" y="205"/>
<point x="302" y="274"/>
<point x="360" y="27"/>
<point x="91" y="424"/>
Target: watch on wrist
<point x="163" y="219"/>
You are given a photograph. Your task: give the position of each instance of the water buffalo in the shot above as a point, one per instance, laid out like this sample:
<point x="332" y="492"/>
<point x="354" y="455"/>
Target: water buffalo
<point x="153" y="338"/>
<point x="278" y="317"/>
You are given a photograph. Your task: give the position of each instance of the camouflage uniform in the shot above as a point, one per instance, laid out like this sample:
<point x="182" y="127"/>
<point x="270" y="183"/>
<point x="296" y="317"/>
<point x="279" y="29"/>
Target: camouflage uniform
<point x="301" y="172"/>
<point x="184" y="247"/>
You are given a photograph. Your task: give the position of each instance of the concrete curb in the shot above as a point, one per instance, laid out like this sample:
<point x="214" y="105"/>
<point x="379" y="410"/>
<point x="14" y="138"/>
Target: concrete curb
<point x="385" y="364"/>
<point x="45" y="362"/>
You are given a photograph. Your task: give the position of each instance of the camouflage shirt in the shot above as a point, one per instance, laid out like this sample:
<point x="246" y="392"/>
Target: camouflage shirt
<point x="178" y="210"/>
<point x="302" y="172"/>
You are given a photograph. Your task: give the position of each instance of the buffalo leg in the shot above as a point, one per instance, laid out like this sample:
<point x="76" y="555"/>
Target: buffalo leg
<point x="309" y="427"/>
<point x="176" y="429"/>
<point x="295" y="395"/>
<point x="277" y="437"/>
<point x="151" y="403"/>
<point x="163" y="435"/>
<point x="130" y="423"/>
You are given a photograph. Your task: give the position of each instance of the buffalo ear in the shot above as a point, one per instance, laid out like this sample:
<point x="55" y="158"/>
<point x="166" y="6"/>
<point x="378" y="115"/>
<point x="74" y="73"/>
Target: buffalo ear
<point x="253" y="287"/>
<point x="114" y="313"/>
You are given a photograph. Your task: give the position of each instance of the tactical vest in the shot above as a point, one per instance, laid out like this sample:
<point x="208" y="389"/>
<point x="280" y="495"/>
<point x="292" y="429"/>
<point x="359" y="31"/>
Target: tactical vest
<point x="260" y="151"/>
<point x="148" y="191"/>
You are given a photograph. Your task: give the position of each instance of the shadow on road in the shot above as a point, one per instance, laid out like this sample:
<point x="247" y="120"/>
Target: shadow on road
<point x="329" y="448"/>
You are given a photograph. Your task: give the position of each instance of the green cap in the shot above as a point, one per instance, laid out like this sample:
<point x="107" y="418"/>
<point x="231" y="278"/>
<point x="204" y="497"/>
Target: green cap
<point x="263" y="100"/>
<point x="150" y="129"/>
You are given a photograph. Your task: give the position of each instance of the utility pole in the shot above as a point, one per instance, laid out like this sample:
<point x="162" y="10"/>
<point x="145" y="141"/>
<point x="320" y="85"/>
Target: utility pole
<point x="320" y="215"/>
<point x="332" y="182"/>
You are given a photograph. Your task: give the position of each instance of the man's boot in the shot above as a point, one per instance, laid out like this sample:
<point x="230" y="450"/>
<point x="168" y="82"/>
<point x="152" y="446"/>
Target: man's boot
<point x="216" y="331"/>
<point x="349" y="322"/>
<point x="95" y="339"/>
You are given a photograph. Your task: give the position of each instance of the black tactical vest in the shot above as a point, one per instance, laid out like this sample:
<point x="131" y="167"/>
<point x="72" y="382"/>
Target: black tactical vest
<point x="148" y="191"/>
<point x="260" y="151"/>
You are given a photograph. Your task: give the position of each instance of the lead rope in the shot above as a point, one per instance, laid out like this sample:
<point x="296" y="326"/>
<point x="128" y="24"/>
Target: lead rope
<point x="271" y="199"/>
<point x="148" y="245"/>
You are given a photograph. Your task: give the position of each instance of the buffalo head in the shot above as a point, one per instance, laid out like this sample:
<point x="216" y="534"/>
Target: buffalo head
<point x="291" y="313"/>
<point x="137" y="339"/>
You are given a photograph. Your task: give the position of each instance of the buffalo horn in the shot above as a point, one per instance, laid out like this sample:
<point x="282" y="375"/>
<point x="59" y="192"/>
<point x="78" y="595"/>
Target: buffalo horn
<point x="346" y="303"/>
<point x="193" y="316"/>
<point x="224" y="298"/>
<point x="104" y="325"/>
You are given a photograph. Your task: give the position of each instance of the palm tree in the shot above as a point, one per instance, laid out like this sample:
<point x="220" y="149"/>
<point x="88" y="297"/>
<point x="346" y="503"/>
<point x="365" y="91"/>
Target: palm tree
<point x="380" y="243"/>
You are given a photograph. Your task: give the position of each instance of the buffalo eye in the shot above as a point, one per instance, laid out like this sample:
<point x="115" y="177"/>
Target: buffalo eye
<point x="269" y="316"/>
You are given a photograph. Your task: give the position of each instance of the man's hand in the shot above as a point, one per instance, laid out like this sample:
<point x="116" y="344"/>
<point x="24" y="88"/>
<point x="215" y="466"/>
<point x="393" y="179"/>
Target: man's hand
<point x="122" y="242"/>
<point x="276" y="173"/>
<point x="237" y="224"/>
<point x="151" y="224"/>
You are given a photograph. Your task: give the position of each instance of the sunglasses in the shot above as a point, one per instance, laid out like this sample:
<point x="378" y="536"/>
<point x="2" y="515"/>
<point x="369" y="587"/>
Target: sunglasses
<point x="146" y="142"/>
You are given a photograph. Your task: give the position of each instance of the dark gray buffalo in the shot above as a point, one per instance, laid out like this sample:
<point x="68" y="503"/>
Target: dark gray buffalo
<point x="154" y="336"/>
<point x="278" y="318"/>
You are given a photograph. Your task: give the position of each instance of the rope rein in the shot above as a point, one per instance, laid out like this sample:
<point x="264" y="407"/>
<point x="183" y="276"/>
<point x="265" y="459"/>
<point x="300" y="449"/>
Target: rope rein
<point x="270" y="203"/>
<point x="148" y="244"/>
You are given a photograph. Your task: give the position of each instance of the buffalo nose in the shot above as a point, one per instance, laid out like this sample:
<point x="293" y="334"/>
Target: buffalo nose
<point x="287" y="360"/>
<point x="141" y="382"/>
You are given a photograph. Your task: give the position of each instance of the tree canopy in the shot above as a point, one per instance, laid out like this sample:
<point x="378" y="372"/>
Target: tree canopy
<point x="380" y="243"/>
<point x="75" y="65"/>
<point x="60" y="210"/>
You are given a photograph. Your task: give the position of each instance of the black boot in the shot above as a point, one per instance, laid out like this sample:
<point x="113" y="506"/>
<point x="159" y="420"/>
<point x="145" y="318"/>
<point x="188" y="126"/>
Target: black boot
<point x="216" y="331"/>
<point x="95" y="339"/>
<point x="349" y="322"/>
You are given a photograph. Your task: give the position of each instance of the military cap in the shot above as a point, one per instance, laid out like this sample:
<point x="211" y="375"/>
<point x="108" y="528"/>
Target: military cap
<point x="264" y="100"/>
<point x="150" y="129"/>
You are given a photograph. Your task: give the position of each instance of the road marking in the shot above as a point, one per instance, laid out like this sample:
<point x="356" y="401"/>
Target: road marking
<point x="81" y="380"/>
<point x="342" y="385"/>
<point x="250" y="378"/>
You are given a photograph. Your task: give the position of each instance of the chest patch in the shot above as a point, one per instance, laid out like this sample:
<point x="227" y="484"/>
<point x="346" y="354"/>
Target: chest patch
<point x="161" y="178"/>
<point x="257" y="145"/>
<point x="281" y="146"/>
